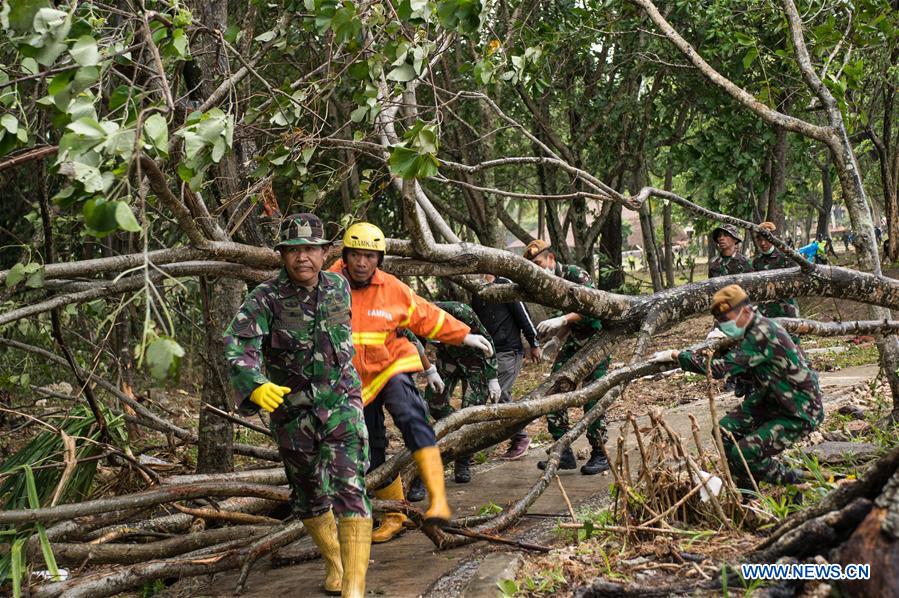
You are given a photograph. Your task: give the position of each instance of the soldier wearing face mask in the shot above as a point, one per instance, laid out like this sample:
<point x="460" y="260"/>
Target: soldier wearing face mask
<point x="769" y="258"/>
<point x="785" y="403"/>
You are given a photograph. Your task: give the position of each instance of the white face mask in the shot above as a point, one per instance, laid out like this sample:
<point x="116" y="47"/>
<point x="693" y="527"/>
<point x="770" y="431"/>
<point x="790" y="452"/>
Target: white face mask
<point x="769" y="251"/>
<point x="549" y="270"/>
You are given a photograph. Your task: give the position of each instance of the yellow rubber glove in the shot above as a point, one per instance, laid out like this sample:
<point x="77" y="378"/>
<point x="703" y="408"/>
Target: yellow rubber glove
<point x="269" y="396"/>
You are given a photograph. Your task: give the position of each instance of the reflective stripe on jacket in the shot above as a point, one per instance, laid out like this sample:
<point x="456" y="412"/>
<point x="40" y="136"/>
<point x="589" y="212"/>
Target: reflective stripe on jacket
<point x="379" y="310"/>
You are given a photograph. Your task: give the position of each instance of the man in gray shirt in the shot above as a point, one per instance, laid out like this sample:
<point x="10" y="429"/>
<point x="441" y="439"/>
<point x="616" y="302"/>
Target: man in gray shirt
<point x="506" y="323"/>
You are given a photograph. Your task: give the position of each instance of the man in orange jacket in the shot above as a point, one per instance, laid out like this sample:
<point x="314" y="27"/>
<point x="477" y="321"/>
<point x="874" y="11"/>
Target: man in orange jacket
<point x="382" y="305"/>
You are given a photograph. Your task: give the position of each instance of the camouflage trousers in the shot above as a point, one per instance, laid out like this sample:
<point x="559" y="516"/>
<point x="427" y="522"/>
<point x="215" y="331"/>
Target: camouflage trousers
<point x="472" y="382"/>
<point x="557" y="422"/>
<point x="761" y="433"/>
<point x="325" y="455"/>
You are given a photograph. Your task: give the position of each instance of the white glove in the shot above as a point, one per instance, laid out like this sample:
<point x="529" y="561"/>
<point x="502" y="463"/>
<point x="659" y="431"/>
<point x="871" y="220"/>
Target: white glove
<point x="552" y="325"/>
<point x="664" y="357"/>
<point x="476" y="341"/>
<point x="494" y="392"/>
<point x="435" y="382"/>
<point x="715" y="333"/>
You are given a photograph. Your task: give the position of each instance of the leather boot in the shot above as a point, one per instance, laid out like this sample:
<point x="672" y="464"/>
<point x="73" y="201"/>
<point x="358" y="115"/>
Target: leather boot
<point x="391" y="523"/>
<point x="323" y="531"/>
<point x="566" y="461"/>
<point x="355" y="549"/>
<point x="518" y="448"/>
<point x="416" y="490"/>
<point x="462" y="470"/>
<point x="596" y="464"/>
<point x="430" y="467"/>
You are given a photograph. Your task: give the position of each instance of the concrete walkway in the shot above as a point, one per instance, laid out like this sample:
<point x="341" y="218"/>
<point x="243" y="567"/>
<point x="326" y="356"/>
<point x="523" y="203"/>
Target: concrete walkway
<point x="409" y="565"/>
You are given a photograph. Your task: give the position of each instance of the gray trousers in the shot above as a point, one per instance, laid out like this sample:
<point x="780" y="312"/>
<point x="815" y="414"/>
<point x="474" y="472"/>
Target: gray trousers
<point x="508" y="366"/>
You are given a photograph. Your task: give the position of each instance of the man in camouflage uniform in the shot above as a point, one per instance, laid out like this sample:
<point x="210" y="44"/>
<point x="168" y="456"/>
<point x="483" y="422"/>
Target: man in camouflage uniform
<point x="290" y="350"/>
<point x="770" y="258"/>
<point x="729" y="259"/>
<point x="469" y="368"/>
<point x="785" y="403"/>
<point x="580" y="330"/>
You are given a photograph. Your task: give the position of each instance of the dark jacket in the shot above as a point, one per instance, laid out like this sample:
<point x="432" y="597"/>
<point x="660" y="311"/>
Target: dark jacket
<point x="506" y="322"/>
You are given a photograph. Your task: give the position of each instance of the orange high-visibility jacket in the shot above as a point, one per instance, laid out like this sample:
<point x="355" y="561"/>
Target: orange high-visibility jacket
<point x="385" y="305"/>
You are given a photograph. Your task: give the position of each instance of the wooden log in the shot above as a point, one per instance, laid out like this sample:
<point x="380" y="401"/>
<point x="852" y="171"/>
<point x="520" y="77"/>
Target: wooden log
<point x="68" y="553"/>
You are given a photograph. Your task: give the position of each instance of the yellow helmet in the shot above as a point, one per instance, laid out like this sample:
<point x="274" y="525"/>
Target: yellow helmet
<point x="364" y="235"/>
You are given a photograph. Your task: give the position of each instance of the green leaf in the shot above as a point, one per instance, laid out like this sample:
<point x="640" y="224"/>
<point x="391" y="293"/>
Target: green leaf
<point x="9" y="122"/>
<point x="218" y="149"/>
<point x="265" y="37"/>
<point x="163" y="357"/>
<point x="34" y="503"/>
<point x="85" y="51"/>
<point x="87" y="127"/>
<point x="402" y="73"/>
<point x="508" y="587"/>
<point x="89" y="176"/>
<point x="157" y="131"/>
<point x="15" y="276"/>
<point x="179" y="42"/>
<point x="750" y="57"/>
<point x="409" y="164"/>
<point x="17" y="565"/>
<point x="125" y="218"/>
<point x="35" y="280"/>
<point x="359" y="114"/>
<point x="100" y="216"/>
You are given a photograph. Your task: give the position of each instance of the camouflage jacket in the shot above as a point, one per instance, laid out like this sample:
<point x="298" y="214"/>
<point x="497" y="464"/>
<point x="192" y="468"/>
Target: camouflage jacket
<point x="725" y="266"/>
<point x="583" y="330"/>
<point x="784" y="308"/>
<point x="462" y="359"/>
<point x="776" y="366"/>
<point x="304" y="339"/>
<point x="469" y="358"/>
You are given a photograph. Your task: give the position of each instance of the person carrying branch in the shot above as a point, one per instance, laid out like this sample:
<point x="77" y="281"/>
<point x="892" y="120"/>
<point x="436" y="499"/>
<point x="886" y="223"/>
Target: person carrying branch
<point x="785" y="403"/>
<point x="382" y="307"/>
<point x="506" y="323"/>
<point x="581" y="329"/>
<point x="290" y="353"/>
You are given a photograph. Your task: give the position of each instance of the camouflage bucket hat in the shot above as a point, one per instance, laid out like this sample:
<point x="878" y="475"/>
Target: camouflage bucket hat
<point x="302" y="229"/>
<point x="728" y="229"/>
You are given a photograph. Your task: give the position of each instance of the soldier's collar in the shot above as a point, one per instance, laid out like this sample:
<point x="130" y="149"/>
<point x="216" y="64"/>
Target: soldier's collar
<point x="288" y="288"/>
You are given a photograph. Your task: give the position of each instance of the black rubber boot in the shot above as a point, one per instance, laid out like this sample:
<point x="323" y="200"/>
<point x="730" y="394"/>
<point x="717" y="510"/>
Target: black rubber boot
<point x="416" y="491"/>
<point x="596" y="464"/>
<point x="792" y="476"/>
<point x="462" y="470"/>
<point x="567" y="461"/>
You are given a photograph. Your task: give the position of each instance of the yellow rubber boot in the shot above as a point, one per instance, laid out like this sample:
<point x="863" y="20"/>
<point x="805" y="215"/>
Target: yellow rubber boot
<point x="430" y="467"/>
<point x="391" y="523"/>
<point x="323" y="531"/>
<point x="355" y="548"/>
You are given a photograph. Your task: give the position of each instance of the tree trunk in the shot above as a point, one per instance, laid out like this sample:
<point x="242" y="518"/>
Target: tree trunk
<point x="649" y="247"/>
<point x="823" y="227"/>
<point x="216" y="435"/>
<point x="610" y="247"/>
<point x="866" y="245"/>
<point x="773" y="212"/>
<point x="666" y="229"/>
